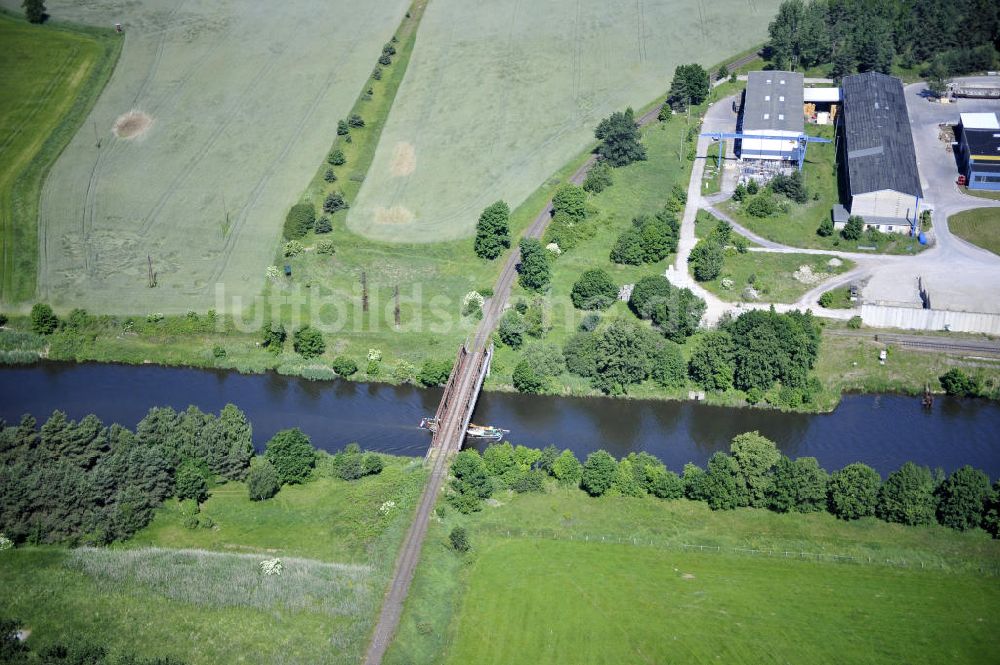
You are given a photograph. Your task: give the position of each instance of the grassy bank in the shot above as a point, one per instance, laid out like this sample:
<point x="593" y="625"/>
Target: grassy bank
<point x="51" y="76"/>
<point x="171" y="580"/>
<point x="981" y="227"/>
<point x="552" y="579"/>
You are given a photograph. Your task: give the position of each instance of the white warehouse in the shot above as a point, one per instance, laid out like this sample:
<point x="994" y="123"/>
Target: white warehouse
<point x="772" y="106"/>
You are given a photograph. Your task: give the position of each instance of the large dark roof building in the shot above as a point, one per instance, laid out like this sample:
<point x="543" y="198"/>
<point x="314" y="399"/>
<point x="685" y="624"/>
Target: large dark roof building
<point x="881" y="182"/>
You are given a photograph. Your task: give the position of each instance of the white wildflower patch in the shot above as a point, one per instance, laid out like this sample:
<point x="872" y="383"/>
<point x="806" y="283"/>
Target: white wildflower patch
<point x="272" y="272"/>
<point x="473" y="297"/>
<point x="271" y="566"/>
<point x="374" y="355"/>
<point x="387" y="507"/>
<point x="554" y="248"/>
<point x="5" y="542"/>
<point x="727" y="283"/>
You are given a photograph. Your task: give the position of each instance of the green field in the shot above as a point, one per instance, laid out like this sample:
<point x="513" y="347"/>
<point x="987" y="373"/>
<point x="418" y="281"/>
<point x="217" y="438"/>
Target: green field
<point x="197" y="594"/>
<point x="235" y="110"/>
<point x="530" y="596"/>
<point x="797" y="227"/>
<point x="51" y="75"/>
<point x="775" y="277"/>
<point x="981" y="227"/>
<point x="500" y="95"/>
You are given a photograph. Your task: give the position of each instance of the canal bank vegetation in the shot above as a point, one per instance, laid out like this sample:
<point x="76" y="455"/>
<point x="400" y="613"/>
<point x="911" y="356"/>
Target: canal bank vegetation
<point x="628" y="562"/>
<point x="190" y="538"/>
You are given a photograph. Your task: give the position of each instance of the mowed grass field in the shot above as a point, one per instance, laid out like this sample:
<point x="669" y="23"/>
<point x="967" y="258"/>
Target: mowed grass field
<point x="981" y="227"/>
<point x="501" y="95"/>
<point x="544" y="594"/>
<point x="235" y="109"/>
<point x="50" y="76"/>
<point x="197" y="594"/>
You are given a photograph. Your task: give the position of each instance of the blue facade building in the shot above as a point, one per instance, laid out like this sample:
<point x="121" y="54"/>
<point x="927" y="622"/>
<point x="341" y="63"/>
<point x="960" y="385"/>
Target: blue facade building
<point x="978" y="137"/>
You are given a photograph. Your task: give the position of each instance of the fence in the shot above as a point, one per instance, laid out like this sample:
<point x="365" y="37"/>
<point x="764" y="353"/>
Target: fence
<point x="858" y="559"/>
<point x="929" y="319"/>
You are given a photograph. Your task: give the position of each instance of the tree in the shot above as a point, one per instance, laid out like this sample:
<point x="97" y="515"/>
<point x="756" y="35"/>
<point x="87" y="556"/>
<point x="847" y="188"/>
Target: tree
<point x="571" y="201"/>
<point x="689" y="86"/>
<point x="991" y="511"/>
<point x="342" y="128"/>
<point x="598" y="178"/>
<point x="706" y="260"/>
<point x="665" y="484"/>
<point x="355" y="120"/>
<point x="534" y="268"/>
<point x="723" y="486"/>
<point x="262" y="479"/>
<point x="527" y="380"/>
<point x="598" y="473"/>
<point x="545" y="358"/>
<point x="273" y="337"/>
<point x="669" y="369"/>
<point x="960" y="498"/>
<point x="853" y="229"/>
<point x="594" y="290"/>
<point x="190" y="483"/>
<point x="372" y="464"/>
<point x="854" y="491"/>
<point x="791" y="186"/>
<point x="292" y="454"/>
<point x="620" y="139"/>
<point x="678" y="315"/>
<point x="907" y="496"/>
<point x="493" y="231"/>
<point x="334" y="202"/>
<point x="337" y="157"/>
<point x="799" y="485"/>
<point x="937" y="78"/>
<point x="628" y="248"/>
<point x="511" y="329"/>
<point x="648" y="293"/>
<point x="234" y="443"/>
<point x="958" y="383"/>
<point x="34" y="11"/>
<point x="624" y="481"/>
<point x="771" y="347"/>
<point x="694" y="482"/>
<point x="43" y="319"/>
<point x="471" y="480"/>
<point x="434" y="372"/>
<point x="579" y="352"/>
<point x="711" y="362"/>
<point x="301" y="217"/>
<point x="308" y="342"/>
<point x="623" y="356"/>
<point x="459" y="539"/>
<point x="567" y="468"/>
<point x="784" y="33"/>
<point x="756" y="456"/>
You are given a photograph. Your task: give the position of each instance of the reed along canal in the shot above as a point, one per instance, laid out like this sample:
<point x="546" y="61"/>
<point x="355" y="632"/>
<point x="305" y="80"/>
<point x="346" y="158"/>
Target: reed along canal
<point x="881" y="430"/>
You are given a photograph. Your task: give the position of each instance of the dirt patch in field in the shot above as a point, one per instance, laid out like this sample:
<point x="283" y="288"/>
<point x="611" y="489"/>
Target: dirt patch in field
<point x="404" y="159"/>
<point x="687" y="576"/>
<point x="393" y="215"/>
<point x="132" y="125"/>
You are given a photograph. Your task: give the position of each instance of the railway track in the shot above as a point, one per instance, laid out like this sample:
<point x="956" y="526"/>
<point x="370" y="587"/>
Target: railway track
<point x="983" y="348"/>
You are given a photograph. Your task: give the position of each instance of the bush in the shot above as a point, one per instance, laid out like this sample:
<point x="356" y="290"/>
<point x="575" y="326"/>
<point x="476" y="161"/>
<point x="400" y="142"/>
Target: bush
<point x="355" y="120"/>
<point x="434" y="373"/>
<point x="459" y="539"/>
<point x="580" y="354"/>
<point x="958" y="383"/>
<point x="262" y="480"/>
<point x="825" y="229"/>
<point x="218" y="352"/>
<point x="594" y="290"/>
<point x="308" y="342"/>
<point x="43" y="319"/>
<point x="706" y="259"/>
<point x="323" y="225"/>
<point x="389" y="49"/>
<point x="628" y="249"/>
<point x="527" y="380"/>
<point x="190" y="483"/>
<point x="377" y="73"/>
<point x="292" y="248"/>
<point x="532" y="481"/>
<point x="589" y="322"/>
<point x="854" y="322"/>
<point x="325" y="247"/>
<point x="3" y="319"/>
<point x="511" y="329"/>
<point x="598" y="178"/>
<point x="762" y="205"/>
<point x="273" y="337"/>
<point x="334" y="202"/>
<point x="385" y="60"/>
<point x="344" y="366"/>
<point x="791" y="186"/>
<point x="337" y="158"/>
<point x="342" y="128"/>
<point x="292" y="454"/>
<point x="372" y="464"/>
<point x="853" y="229"/>
<point x="330" y="176"/>
<point x="669" y="369"/>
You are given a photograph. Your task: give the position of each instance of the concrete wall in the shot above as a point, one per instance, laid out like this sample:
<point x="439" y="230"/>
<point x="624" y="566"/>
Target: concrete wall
<point x="884" y="203"/>
<point x="881" y="316"/>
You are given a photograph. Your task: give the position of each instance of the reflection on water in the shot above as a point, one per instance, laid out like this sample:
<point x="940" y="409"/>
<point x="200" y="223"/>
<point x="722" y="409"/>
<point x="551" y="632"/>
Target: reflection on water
<point x="881" y="430"/>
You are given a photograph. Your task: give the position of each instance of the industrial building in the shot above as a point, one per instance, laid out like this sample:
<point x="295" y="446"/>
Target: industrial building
<point x="772" y="106"/>
<point x="978" y="138"/>
<point x="879" y="178"/>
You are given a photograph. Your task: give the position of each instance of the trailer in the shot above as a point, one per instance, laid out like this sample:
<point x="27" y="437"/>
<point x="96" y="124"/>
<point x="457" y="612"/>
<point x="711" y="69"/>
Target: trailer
<point x="975" y="91"/>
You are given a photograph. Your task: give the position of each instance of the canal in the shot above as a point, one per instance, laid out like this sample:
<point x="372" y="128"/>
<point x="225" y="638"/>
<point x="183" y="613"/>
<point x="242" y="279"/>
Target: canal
<point x="881" y="430"/>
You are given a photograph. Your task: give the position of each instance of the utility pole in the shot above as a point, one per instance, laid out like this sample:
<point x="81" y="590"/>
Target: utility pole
<point x="151" y="275"/>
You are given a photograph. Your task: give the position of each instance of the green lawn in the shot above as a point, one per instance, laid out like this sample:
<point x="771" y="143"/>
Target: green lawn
<point x="711" y="181"/>
<point x="50" y="75"/>
<point x="797" y="227"/>
<point x="981" y="227"/>
<point x="841" y="298"/>
<point x="775" y="277"/>
<point x="531" y="595"/>
<point x="982" y="193"/>
<point x="198" y="594"/>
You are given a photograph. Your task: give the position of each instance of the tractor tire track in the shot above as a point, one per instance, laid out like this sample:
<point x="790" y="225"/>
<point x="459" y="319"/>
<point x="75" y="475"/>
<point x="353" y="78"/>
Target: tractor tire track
<point x="41" y="101"/>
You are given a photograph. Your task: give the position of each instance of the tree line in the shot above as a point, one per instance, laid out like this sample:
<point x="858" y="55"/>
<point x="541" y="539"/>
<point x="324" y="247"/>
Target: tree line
<point x="753" y="474"/>
<point x="857" y="35"/>
<point x="81" y="482"/>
